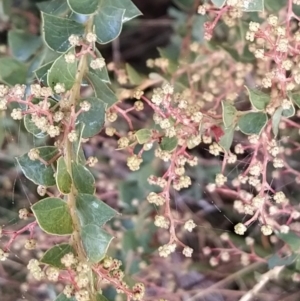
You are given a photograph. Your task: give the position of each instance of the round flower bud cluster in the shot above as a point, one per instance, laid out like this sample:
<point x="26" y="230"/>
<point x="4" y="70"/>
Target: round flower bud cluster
<point x="19" y="90"/>
<point x="68" y="291"/>
<point x="30" y="244"/>
<point x="253" y="139"/>
<point x="53" y="131"/>
<point x="139" y="106"/>
<point x="213" y="261"/>
<point x="238" y="149"/>
<point x="161" y="222"/>
<point x="91" y="161"/>
<point x="166" y="250"/>
<point x="220" y="180"/>
<point x="154" y="198"/>
<point x="163" y="155"/>
<point x="138" y="291"/>
<point x="97" y="63"/>
<point x="35" y="269"/>
<point x="23" y="213"/>
<point x="134" y="162"/>
<point x="16" y="114"/>
<point x="232" y="158"/>
<point x="187" y="252"/>
<point x="82" y="279"/>
<point x="215" y="149"/>
<point x="111" y="116"/>
<point x="278" y="163"/>
<point x="189" y="225"/>
<point x="82" y="295"/>
<point x="74" y="40"/>
<point x="182" y="182"/>
<point x="225" y="256"/>
<point x="245" y="259"/>
<point x="193" y="141"/>
<point x="70" y="58"/>
<point x="240" y="229"/>
<point x="138" y="94"/>
<point x="91" y="37"/>
<point x="158" y="96"/>
<point x="58" y="116"/>
<point x="159" y="181"/>
<point x="41" y="190"/>
<point x="3" y="90"/>
<point x="110" y="131"/>
<point x="68" y="260"/>
<point x="3" y="104"/>
<point x="3" y="255"/>
<point x="59" y="88"/>
<point x="256" y="169"/>
<point x="123" y="142"/>
<point x="279" y="197"/>
<point x="52" y="274"/>
<point x="85" y="106"/>
<point x="73" y="136"/>
<point x="266" y="230"/>
<point x="258" y="201"/>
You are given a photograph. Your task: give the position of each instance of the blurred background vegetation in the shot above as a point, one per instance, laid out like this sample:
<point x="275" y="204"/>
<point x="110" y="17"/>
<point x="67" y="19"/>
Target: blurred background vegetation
<point x="162" y="30"/>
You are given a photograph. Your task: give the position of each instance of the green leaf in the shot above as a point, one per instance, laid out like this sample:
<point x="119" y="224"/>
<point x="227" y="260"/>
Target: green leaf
<point x="252" y="123"/>
<point x="291" y="239"/>
<point x="108" y="23"/>
<point x="93" y="119"/>
<point x="83" y="180"/>
<point x="131" y="11"/>
<point x="92" y="210"/>
<point x="42" y="72"/>
<point x="276" y="261"/>
<point x="143" y="135"/>
<point x="63" y="178"/>
<point x="54" y="7"/>
<point x="218" y="3"/>
<point x="170" y="55"/>
<point x="289" y="112"/>
<point x="229" y="113"/>
<point x="77" y="151"/>
<point x="129" y="241"/>
<point x="57" y="30"/>
<point x="184" y="4"/>
<point x="134" y="77"/>
<point x="276" y="120"/>
<point x="12" y="72"/>
<point x="169" y="144"/>
<point x="101" y="74"/>
<point x="102" y="91"/>
<point x="130" y="190"/>
<point x="32" y="128"/>
<point x="227" y="138"/>
<point x="63" y="297"/>
<point x="95" y="242"/>
<point x="101" y="298"/>
<point x="259" y="100"/>
<point x="62" y="72"/>
<point x="53" y="216"/>
<point x="23" y="44"/>
<point x="54" y="255"/>
<point x="296" y="99"/>
<point x="253" y="5"/>
<point x="85" y="7"/>
<point x="274" y="6"/>
<point x="36" y="171"/>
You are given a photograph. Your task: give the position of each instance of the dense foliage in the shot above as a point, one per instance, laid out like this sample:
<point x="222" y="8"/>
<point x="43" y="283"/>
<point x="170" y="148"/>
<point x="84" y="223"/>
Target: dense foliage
<point x="150" y="177"/>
